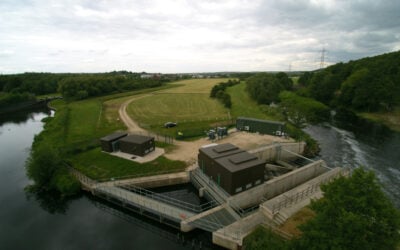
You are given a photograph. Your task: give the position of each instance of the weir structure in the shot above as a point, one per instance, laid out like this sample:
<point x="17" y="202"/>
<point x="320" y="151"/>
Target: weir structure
<point x="228" y="217"/>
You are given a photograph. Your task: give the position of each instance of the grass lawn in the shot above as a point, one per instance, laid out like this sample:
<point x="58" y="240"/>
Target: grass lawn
<point x="99" y="165"/>
<point x="188" y="104"/>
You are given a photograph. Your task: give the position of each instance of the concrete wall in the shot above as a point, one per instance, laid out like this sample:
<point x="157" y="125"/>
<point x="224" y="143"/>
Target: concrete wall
<point x="278" y="185"/>
<point x="273" y="152"/>
<point x="152" y="181"/>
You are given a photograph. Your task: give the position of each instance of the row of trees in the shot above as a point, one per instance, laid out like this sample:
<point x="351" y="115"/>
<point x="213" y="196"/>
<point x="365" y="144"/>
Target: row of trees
<point x="218" y="91"/>
<point x="368" y="84"/>
<point x="78" y="86"/>
<point x="7" y="99"/>
<point x="81" y="87"/>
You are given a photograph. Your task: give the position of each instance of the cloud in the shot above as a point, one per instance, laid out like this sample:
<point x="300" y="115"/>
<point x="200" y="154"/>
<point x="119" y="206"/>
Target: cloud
<point x="192" y="36"/>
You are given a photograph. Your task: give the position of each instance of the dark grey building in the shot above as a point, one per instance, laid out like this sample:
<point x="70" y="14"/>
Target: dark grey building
<point x="110" y="143"/>
<point x="232" y="168"/>
<point x="260" y="126"/>
<point x="137" y="144"/>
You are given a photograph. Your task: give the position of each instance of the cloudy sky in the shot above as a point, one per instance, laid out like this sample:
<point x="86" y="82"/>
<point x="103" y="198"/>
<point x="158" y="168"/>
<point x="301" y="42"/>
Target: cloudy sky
<point x="192" y="35"/>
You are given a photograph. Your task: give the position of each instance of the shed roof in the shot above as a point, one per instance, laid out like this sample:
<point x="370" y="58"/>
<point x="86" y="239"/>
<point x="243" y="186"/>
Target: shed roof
<point x="239" y="161"/>
<point x="137" y="139"/>
<point x="114" y="136"/>
<point x="259" y="120"/>
<point x="221" y="150"/>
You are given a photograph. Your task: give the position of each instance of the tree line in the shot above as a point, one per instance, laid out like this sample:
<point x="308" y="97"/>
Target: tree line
<point x="78" y="86"/>
<point x="218" y="91"/>
<point x="368" y="84"/>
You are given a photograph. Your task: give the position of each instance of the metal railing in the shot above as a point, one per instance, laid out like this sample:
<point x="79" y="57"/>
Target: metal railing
<point x="301" y="195"/>
<point x="169" y="200"/>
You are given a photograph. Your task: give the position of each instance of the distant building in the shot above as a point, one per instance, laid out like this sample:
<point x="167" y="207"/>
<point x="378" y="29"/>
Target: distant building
<point x="260" y="126"/>
<point x="137" y="144"/>
<point x="232" y="168"/>
<point x="110" y="143"/>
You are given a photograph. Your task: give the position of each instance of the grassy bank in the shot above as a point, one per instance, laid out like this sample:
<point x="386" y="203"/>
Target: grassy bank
<point x="390" y="119"/>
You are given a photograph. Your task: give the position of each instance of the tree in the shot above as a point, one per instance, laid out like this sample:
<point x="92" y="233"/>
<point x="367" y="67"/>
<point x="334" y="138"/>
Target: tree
<point x="354" y="214"/>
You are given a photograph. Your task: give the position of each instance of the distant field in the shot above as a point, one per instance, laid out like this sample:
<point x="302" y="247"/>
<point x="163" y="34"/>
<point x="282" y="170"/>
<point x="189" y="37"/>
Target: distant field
<point x="197" y="86"/>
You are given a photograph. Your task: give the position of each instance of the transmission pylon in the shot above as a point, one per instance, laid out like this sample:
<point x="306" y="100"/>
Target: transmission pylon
<point x="322" y="64"/>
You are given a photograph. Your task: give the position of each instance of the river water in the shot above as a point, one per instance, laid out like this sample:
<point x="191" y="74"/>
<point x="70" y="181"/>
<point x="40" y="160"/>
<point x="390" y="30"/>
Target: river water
<point x="82" y="223"/>
<point x="375" y="149"/>
<point x="87" y="223"/>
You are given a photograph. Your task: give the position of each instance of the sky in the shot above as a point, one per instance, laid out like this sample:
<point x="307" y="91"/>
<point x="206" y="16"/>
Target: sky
<point x="184" y="36"/>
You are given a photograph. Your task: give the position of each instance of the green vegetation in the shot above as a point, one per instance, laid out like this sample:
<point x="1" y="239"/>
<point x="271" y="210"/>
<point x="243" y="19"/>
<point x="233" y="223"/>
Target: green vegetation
<point x="243" y="105"/>
<point x="264" y="239"/>
<point x="265" y="88"/>
<point x="7" y="99"/>
<point x="188" y="104"/>
<point x="390" y="118"/>
<point x="353" y="214"/>
<point x="218" y="91"/>
<point x="368" y="84"/>
<point x="98" y="165"/>
<point x="74" y="133"/>
<point x="300" y="110"/>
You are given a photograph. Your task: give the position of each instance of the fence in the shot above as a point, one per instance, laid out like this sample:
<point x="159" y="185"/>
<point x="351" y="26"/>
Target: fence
<point x="301" y="195"/>
<point x="171" y="201"/>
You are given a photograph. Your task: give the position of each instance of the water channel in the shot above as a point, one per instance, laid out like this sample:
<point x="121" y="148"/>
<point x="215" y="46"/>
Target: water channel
<point x="31" y="222"/>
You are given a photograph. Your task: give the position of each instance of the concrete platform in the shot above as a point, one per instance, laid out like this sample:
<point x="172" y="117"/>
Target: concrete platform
<point x="140" y="159"/>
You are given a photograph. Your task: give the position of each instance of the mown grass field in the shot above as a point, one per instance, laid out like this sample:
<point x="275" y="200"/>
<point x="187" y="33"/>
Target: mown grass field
<point x="188" y="104"/>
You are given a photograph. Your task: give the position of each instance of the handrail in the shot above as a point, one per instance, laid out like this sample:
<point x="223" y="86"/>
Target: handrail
<point x="170" y="200"/>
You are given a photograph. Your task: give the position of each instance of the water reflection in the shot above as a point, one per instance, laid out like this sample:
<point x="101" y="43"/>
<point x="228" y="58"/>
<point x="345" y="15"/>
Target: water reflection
<point x="50" y="201"/>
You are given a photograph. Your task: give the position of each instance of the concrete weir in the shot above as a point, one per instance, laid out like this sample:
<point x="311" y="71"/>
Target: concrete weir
<point x="227" y="217"/>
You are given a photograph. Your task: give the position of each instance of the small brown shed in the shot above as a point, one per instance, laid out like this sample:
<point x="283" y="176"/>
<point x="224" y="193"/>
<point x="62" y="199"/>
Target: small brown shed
<point x="232" y="168"/>
<point x="110" y="143"/>
<point x="137" y="144"/>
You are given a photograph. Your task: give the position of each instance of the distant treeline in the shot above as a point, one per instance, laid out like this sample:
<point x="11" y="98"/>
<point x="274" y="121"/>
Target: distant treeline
<point x="368" y="84"/>
<point x="78" y="86"/>
<point x="8" y="99"/>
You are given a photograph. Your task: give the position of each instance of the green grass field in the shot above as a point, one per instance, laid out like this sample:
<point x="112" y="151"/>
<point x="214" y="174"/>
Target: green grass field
<point x="98" y="165"/>
<point x="188" y="104"/>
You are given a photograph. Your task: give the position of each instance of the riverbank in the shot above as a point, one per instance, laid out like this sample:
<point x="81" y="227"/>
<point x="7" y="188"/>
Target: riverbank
<point x="390" y="119"/>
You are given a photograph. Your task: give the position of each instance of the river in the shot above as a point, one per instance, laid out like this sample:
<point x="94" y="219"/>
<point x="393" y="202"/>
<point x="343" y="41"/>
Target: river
<point x="82" y="223"/>
<point x="34" y="222"/>
<point x="372" y="147"/>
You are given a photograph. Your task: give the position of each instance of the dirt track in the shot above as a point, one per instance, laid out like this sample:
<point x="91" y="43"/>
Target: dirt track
<point x="187" y="151"/>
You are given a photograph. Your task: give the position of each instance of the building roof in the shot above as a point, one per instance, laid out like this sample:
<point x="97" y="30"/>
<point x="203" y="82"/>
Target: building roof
<point x="239" y="161"/>
<point x="221" y="150"/>
<point x="259" y="120"/>
<point x="114" y="136"/>
<point x="137" y="139"/>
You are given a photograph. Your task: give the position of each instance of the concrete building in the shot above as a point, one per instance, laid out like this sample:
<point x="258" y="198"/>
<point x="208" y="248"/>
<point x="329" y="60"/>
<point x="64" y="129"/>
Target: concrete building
<point x="232" y="168"/>
<point x="260" y="126"/>
<point x="110" y="143"/>
<point x="137" y="144"/>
